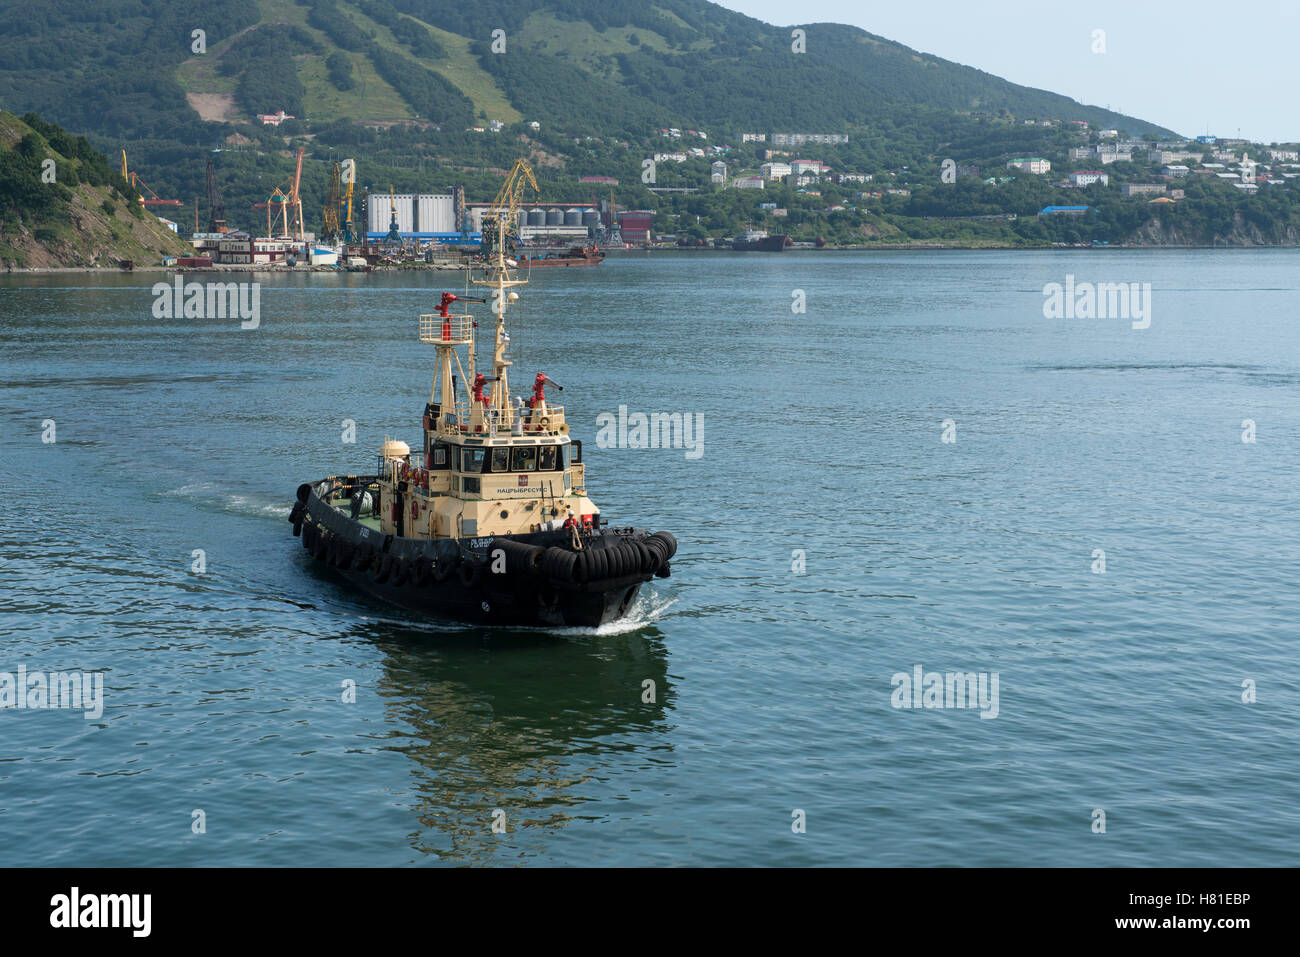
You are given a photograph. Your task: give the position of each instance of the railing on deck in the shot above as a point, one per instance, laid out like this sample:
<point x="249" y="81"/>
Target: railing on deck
<point x="455" y="331"/>
<point x="470" y="419"/>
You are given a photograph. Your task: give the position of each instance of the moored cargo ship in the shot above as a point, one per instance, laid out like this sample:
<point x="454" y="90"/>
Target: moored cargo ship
<point x="574" y="256"/>
<point x="757" y="240"/>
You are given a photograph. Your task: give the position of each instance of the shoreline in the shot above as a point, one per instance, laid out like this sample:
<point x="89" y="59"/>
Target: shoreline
<point x="457" y="267"/>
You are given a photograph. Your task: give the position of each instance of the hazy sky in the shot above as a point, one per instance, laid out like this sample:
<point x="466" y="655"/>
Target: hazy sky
<point x="1193" y="66"/>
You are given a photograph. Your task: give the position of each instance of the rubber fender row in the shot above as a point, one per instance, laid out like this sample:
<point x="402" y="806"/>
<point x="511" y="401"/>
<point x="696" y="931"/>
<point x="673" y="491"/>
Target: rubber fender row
<point x="627" y="557"/>
<point x="521" y="558"/>
<point x="387" y="569"/>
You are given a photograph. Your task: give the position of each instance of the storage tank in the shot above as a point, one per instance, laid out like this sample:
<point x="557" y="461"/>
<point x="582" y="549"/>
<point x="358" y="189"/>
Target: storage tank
<point x="537" y="217"/>
<point x="573" y="217"/>
<point x="590" y="217"/>
<point x="555" y="217"/>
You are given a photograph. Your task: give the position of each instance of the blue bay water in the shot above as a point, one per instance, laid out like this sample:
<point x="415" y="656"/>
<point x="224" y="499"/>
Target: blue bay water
<point x="822" y="432"/>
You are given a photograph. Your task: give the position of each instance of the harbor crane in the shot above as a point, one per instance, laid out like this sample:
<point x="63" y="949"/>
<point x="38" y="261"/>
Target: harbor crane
<point x="139" y="185"/>
<point x="333" y="200"/>
<point x="349" y="232"/>
<point x="216" y="208"/>
<point x="394" y="235"/>
<point x="505" y="207"/>
<point x="285" y="207"/>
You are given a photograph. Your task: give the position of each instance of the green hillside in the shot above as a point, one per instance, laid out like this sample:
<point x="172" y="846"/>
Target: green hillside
<point x="423" y="95"/>
<point x="62" y="204"/>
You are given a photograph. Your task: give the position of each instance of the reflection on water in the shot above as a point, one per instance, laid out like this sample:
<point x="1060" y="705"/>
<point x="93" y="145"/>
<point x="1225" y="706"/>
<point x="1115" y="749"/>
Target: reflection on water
<point x="515" y="720"/>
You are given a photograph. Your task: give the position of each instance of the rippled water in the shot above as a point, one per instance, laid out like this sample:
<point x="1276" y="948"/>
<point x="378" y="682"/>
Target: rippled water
<point x="1119" y="691"/>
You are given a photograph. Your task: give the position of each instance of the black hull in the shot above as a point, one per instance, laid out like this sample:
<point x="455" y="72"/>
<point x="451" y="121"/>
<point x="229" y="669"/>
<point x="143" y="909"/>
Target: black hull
<point x="535" y="579"/>
<point x="772" y="244"/>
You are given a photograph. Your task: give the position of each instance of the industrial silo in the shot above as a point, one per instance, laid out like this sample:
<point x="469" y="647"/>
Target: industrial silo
<point x="555" y="217"/>
<point x="537" y="217"/>
<point x="573" y="217"/>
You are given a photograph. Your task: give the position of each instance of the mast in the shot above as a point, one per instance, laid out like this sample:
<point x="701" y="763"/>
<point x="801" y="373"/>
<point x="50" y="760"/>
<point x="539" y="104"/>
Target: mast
<point x="480" y="411"/>
<point x="498" y="277"/>
<point x="500" y="218"/>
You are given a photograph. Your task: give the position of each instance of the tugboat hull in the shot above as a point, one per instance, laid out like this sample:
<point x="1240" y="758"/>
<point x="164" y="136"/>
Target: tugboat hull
<point x="534" y="579"/>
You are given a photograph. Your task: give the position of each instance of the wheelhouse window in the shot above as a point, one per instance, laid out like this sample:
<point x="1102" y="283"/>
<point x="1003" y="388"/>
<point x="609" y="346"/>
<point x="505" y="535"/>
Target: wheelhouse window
<point x="471" y="460"/>
<point x="548" y="458"/>
<point x="524" y="458"/>
<point x="439" y="459"/>
<point x="501" y="459"/>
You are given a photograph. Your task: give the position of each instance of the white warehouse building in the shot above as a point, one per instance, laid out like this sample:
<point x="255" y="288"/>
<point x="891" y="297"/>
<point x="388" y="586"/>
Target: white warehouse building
<point x="416" y="213"/>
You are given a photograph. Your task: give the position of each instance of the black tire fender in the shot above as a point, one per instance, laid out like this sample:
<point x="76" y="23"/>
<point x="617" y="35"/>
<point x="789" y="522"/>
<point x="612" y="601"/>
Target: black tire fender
<point x="650" y="560"/>
<point x="667" y="541"/>
<point x="559" y="563"/>
<point x="597" y="564"/>
<point x="444" y="569"/>
<point x="365" y="554"/>
<point x="471" y="573"/>
<point x="421" y="574"/>
<point x="345" y="555"/>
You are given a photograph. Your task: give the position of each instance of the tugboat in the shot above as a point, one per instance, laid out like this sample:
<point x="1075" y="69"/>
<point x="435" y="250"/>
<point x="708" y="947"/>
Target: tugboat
<point x="488" y="521"/>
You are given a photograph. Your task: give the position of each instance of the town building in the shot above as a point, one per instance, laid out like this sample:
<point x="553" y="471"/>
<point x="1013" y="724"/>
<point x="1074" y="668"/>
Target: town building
<point x="1141" y="189"/>
<point x="1030" y="164"/>
<point x="235" y="250"/>
<point x="800" y="139"/>
<point x="1087" y="177"/>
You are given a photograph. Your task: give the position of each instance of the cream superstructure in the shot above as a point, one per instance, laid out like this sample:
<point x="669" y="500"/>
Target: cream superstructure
<point x="489" y="464"/>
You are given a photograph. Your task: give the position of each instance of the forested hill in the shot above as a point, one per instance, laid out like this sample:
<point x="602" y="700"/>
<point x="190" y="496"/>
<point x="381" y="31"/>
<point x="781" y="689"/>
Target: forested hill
<point x="129" y="68"/>
<point x="428" y="94"/>
<point x="62" y="204"/>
